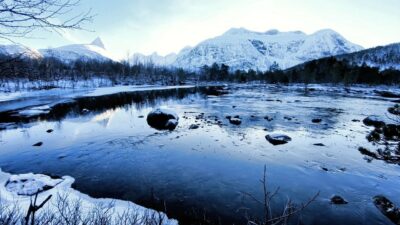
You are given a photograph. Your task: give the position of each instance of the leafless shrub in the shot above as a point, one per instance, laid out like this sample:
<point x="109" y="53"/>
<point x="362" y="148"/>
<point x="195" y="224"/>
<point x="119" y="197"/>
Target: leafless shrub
<point x="269" y="218"/>
<point x="9" y="213"/>
<point x="68" y="211"/>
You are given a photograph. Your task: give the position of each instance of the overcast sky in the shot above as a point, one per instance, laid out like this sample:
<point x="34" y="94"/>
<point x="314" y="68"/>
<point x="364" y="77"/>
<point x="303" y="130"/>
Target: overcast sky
<point x="166" y="26"/>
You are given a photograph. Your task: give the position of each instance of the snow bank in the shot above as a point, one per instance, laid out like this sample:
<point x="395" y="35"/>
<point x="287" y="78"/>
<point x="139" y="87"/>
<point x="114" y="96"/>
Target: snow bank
<point x="16" y="189"/>
<point x="30" y="184"/>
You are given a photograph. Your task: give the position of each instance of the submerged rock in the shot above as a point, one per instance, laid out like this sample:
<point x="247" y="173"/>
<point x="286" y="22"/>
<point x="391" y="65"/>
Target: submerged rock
<point x="278" y="139"/>
<point x="374" y="121"/>
<point x="338" y="200"/>
<point x="162" y="119"/>
<point x="388" y="208"/>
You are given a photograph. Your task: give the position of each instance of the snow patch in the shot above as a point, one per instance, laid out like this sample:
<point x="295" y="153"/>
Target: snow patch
<point x="30" y="184"/>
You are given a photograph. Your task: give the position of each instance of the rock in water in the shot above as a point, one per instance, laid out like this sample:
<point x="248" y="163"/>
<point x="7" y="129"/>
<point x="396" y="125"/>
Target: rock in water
<point x="269" y="119"/>
<point x="162" y="119"/>
<point x="317" y="120"/>
<point x="235" y="121"/>
<point x="85" y="111"/>
<point x="387" y="208"/>
<point x="337" y="200"/>
<point x="194" y="127"/>
<point x="391" y="131"/>
<point x="319" y="144"/>
<point x="38" y="144"/>
<point x="388" y="94"/>
<point x="374" y="121"/>
<point x="278" y="139"/>
<point x="395" y="110"/>
<point x="216" y="90"/>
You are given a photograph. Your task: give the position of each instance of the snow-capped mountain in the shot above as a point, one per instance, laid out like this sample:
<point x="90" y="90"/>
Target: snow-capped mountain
<point x="70" y="53"/>
<point x="383" y="57"/>
<point x="154" y="59"/>
<point x="19" y="51"/>
<point x="243" y="49"/>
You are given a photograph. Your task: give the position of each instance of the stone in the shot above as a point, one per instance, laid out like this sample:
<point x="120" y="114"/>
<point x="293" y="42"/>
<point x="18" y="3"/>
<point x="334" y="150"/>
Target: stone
<point x="163" y="119"/>
<point x="278" y="139"/>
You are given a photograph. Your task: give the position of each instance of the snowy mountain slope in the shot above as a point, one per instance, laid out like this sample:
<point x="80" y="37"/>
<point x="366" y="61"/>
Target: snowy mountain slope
<point x="154" y="59"/>
<point x="383" y="57"/>
<point x="243" y="49"/>
<point x="19" y="50"/>
<point x="70" y="53"/>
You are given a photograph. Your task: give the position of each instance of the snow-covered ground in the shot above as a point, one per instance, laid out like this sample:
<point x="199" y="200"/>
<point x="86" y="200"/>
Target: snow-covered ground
<point x="16" y="190"/>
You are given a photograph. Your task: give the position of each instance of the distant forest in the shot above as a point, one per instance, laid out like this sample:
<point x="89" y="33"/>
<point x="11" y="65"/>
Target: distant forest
<point x="326" y="70"/>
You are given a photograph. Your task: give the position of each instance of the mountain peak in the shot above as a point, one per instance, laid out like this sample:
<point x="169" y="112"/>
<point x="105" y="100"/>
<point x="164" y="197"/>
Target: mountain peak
<point x="237" y="31"/>
<point x="98" y="42"/>
<point x="272" y="32"/>
<point x="326" y="32"/>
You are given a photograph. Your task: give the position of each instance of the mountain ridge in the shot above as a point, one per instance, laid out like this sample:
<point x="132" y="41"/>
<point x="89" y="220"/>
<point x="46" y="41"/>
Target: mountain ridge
<point x="238" y="48"/>
<point x="243" y="49"/>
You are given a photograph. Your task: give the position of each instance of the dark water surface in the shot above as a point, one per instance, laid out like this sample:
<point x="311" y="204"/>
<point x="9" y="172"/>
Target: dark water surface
<point x="112" y="152"/>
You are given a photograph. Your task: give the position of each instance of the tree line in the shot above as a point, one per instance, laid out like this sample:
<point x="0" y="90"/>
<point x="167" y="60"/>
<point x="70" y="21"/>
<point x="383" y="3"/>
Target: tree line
<point x="327" y="70"/>
<point x="51" y="69"/>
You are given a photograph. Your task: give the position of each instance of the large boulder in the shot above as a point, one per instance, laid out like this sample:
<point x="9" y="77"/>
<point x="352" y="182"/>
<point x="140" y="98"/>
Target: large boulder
<point x="162" y="119"/>
<point x="278" y="139"/>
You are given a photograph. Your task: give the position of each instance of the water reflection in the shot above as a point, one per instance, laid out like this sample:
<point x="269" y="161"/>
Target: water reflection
<point x="97" y="105"/>
<point x="112" y="152"/>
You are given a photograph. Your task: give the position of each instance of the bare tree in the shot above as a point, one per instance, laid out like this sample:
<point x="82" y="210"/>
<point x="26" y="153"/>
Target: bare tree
<point x="19" y="18"/>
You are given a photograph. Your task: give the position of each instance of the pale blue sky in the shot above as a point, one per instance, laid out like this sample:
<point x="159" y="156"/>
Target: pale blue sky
<point x="169" y="25"/>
